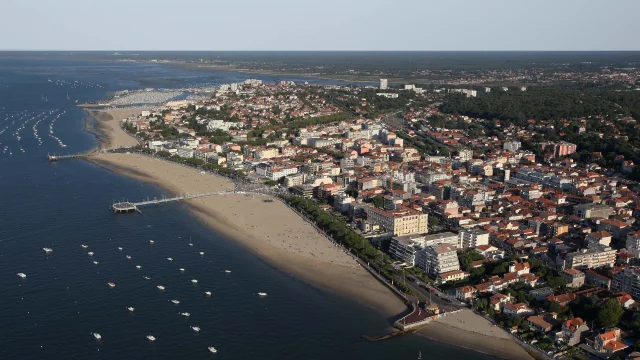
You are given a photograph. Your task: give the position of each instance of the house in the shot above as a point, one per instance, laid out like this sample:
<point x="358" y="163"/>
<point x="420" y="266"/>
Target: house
<point x="572" y="332"/>
<point x="542" y="293"/>
<point x="519" y="268"/>
<point x="562" y="299"/>
<point x="539" y="324"/>
<point x="597" y="279"/>
<point x="464" y="293"/>
<point x="520" y="309"/>
<point x="498" y="300"/>
<point x="575" y="278"/>
<point x="454" y="275"/>
<point x="625" y="299"/>
<point x="609" y="342"/>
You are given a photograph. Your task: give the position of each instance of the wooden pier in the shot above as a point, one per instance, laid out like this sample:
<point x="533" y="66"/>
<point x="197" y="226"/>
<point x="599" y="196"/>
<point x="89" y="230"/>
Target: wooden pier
<point x="55" y="157"/>
<point x="126" y="206"/>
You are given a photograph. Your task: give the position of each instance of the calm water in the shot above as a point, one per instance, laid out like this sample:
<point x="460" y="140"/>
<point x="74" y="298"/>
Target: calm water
<point x="65" y="297"/>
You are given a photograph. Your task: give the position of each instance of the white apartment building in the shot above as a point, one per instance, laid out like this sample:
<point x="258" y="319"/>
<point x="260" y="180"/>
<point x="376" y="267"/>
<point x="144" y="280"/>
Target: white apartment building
<point x="633" y="244"/>
<point x="511" y="146"/>
<point x="627" y="280"/>
<point x="472" y="238"/>
<point x="383" y="84"/>
<point x="438" y="259"/>
<point x="275" y="173"/>
<point x="590" y="258"/>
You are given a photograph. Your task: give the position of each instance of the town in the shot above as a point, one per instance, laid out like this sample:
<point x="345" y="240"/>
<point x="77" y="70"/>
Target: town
<point x="530" y="221"/>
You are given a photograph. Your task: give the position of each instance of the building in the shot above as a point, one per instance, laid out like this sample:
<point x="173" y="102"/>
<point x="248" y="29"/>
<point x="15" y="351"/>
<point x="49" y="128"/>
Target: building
<point x="633" y="244"/>
<point x="627" y="280"/>
<point x="598" y="280"/>
<point x="588" y="211"/>
<point x="405" y="249"/>
<point x="598" y="239"/>
<point x="465" y="293"/>
<point x="383" y="84"/>
<point x="589" y="259"/>
<point x="472" y="238"/>
<point x="511" y="146"/>
<point x="520" y="309"/>
<point x="618" y="229"/>
<point x="539" y="324"/>
<point x="572" y="332"/>
<point x="609" y="342"/>
<point x="575" y="278"/>
<point x="438" y="259"/>
<point x="402" y="221"/>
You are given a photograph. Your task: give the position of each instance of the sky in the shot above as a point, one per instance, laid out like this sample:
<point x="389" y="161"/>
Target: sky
<point x="484" y="25"/>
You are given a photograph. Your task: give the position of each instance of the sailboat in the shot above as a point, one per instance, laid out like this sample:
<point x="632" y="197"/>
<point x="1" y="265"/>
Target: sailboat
<point x="67" y="96"/>
<point x="419" y="354"/>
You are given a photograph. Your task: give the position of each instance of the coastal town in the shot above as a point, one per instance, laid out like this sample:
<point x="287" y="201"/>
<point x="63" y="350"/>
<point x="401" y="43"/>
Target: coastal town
<point x="534" y="232"/>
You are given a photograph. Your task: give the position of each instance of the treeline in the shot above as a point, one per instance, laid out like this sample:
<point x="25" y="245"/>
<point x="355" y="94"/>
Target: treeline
<point x="302" y="123"/>
<point x="543" y="103"/>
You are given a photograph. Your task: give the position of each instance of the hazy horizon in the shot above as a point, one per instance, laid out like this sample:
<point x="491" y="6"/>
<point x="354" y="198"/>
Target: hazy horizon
<point x="286" y="25"/>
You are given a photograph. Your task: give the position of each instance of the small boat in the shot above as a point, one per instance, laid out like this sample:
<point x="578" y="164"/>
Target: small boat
<point x="160" y="287"/>
<point x="84" y="246"/>
<point x="170" y="259"/>
<point x="419" y="354"/>
<point x="119" y="248"/>
<point x="262" y="294"/>
<point x="190" y="244"/>
<point x="128" y="257"/>
<point x="151" y="241"/>
<point x="151" y="338"/>
<point x="228" y="271"/>
<point x="185" y="314"/>
<point x="194" y="281"/>
<point x="95" y="262"/>
<point x="131" y="309"/>
<point x="22" y="275"/>
<point x="138" y="267"/>
<point x="47" y="250"/>
<point x="195" y="328"/>
<point x="181" y="270"/>
<point x="111" y="284"/>
<point x="90" y="253"/>
<point x="212" y="349"/>
<point x="97" y="336"/>
<point x="201" y="253"/>
<point x="148" y="278"/>
<point x="175" y="302"/>
<point x="208" y="293"/>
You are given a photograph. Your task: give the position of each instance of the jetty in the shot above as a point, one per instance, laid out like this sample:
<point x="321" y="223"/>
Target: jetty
<point x="127" y="206"/>
<point x="54" y="157"/>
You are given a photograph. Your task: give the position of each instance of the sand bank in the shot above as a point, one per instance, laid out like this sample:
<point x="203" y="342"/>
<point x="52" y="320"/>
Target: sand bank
<point x="108" y="131"/>
<point x="269" y="229"/>
<point x="471" y="331"/>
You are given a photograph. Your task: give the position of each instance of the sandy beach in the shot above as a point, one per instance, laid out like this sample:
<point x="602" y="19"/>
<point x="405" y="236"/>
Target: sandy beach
<point x="471" y="331"/>
<point x="269" y="229"/>
<point x="108" y="130"/>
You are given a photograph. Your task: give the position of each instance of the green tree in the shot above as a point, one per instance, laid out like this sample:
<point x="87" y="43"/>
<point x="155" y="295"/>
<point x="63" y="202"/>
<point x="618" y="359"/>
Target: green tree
<point x="378" y="201"/>
<point x="610" y="313"/>
<point x="433" y="221"/>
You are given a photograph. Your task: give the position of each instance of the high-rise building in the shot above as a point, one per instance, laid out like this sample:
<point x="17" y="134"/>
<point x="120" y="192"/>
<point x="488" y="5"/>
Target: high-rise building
<point x="438" y="259"/>
<point x="383" y="84"/>
<point x="627" y="280"/>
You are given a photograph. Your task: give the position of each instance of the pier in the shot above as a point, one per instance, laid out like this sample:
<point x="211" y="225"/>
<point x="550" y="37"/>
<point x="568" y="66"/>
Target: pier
<point x="55" y="157"/>
<point x="126" y="206"/>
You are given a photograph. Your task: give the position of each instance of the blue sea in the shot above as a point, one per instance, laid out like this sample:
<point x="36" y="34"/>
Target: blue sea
<point x="65" y="297"/>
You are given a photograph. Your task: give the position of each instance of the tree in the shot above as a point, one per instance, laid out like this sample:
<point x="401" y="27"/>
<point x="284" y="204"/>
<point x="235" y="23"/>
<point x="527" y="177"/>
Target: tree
<point x="378" y="202"/>
<point x="481" y="304"/>
<point x="433" y="221"/>
<point x="610" y="313"/>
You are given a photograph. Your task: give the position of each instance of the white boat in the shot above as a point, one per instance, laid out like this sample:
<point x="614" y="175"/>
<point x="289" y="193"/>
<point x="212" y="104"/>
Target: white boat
<point x="138" y="267"/>
<point x="131" y="309"/>
<point x="185" y="314"/>
<point x="47" y="250"/>
<point x="195" y="328"/>
<point x="128" y="257"/>
<point x="90" y="253"/>
<point x="170" y="259"/>
<point x="190" y="244"/>
<point x="201" y="253"/>
<point x="84" y="246"/>
<point x="97" y="336"/>
<point x="148" y="278"/>
<point x="194" y="281"/>
<point x="95" y="262"/>
<point x="208" y="293"/>
<point x="111" y="284"/>
<point x="175" y="302"/>
<point x="160" y="287"/>
<point x="262" y="293"/>
<point x="228" y="271"/>
<point x="151" y="241"/>
<point x="119" y="248"/>
<point x="22" y="275"/>
<point x="151" y="338"/>
<point x="212" y="349"/>
<point x="181" y="270"/>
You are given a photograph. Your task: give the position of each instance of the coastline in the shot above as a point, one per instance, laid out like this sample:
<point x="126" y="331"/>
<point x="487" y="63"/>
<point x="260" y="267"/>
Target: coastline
<point x="284" y="240"/>
<point x="106" y="127"/>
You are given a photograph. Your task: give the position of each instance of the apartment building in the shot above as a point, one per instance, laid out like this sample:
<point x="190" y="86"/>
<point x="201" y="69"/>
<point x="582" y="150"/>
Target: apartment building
<point x="588" y="211"/>
<point x="633" y="244"/>
<point x="438" y="259"/>
<point x="589" y="258"/>
<point x="575" y="278"/>
<point x="627" y="280"/>
<point x="472" y="238"/>
<point x="402" y="221"/>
